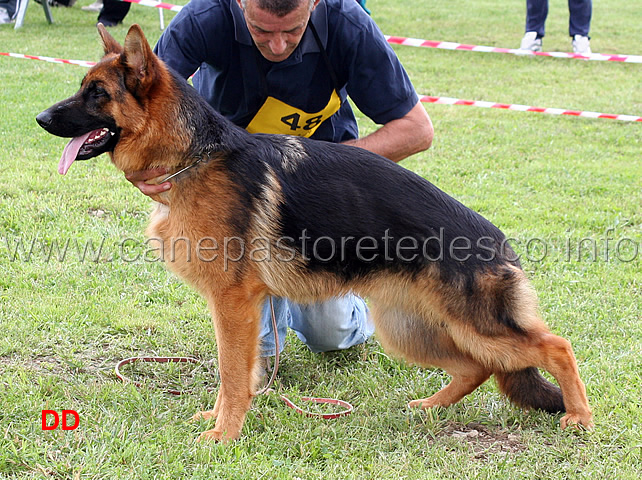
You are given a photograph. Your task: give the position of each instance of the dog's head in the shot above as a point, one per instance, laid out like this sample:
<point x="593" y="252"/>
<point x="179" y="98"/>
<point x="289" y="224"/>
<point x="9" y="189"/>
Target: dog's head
<point x="111" y="108"/>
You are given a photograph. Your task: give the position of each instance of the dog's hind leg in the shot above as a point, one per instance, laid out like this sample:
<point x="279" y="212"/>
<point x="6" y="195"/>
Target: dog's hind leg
<point x="236" y="321"/>
<point x="426" y="343"/>
<point x="514" y="358"/>
<point x="466" y="377"/>
<point x="555" y="355"/>
<point x="500" y="328"/>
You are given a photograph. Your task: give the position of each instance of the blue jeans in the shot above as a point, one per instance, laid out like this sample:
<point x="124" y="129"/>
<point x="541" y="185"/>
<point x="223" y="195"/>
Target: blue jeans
<point x="580" y="12"/>
<point x="336" y="324"/>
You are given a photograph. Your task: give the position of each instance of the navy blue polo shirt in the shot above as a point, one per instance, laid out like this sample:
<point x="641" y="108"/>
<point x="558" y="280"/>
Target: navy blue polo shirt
<point x="210" y="37"/>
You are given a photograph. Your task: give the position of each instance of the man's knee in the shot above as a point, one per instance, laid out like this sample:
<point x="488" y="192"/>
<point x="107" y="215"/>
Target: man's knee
<point x="336" y="324"/>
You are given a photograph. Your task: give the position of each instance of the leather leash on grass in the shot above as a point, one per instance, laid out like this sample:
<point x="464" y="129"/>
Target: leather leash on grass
<point x="265" y="390"/>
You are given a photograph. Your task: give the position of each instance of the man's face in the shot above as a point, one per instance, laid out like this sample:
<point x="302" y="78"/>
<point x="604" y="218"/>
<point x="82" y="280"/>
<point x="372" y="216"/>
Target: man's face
<point x="276" y="37"/>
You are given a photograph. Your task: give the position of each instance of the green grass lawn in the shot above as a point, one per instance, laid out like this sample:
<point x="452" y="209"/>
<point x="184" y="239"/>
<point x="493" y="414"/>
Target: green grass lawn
<point x="568" y="190"/>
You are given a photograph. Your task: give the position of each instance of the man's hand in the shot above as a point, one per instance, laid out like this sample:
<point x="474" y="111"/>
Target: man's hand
<point x="139" y="178"/>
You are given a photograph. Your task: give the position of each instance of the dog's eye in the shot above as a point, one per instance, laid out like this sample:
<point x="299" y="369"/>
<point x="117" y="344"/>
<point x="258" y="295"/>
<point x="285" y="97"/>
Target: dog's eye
<point x="99" y="92"/>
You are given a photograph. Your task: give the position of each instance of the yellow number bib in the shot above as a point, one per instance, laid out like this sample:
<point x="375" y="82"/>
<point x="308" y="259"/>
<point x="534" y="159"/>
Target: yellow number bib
<point x="276" y="116"/>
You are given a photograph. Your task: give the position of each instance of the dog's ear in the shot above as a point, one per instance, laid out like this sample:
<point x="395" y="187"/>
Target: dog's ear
<point x="109" y="43"/>
<point x="139" y="58"/>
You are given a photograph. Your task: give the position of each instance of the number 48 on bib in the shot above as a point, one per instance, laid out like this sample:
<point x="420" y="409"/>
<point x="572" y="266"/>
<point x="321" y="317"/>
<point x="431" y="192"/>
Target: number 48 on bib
<point x="276" y="116"/>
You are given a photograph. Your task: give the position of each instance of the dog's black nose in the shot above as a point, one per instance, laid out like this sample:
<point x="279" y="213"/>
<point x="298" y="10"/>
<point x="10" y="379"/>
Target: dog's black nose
<point x="44" y="119"/>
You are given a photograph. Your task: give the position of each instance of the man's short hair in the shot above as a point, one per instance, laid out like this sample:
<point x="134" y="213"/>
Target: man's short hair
<point x="279" y="8"/>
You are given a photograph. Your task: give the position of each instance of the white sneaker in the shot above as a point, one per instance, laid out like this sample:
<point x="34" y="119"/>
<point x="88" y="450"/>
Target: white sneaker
<point x="531" y="42"/>
<point x="97" y="6"/>
<point x="582" y="45"/>
<point x="4" y="16"/>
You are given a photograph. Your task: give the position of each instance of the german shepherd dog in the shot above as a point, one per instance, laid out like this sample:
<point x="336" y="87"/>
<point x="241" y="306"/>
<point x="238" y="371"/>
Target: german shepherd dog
<point x="445" y="288"/>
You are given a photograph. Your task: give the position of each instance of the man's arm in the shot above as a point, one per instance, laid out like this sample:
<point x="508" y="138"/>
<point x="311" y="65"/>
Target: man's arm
<point x="400" y="138"/>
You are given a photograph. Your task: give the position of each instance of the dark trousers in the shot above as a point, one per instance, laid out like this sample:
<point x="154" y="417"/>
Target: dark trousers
<point x="113" y="12"/>
<point x="10" y="6"/>
<point x="579" y="16"/>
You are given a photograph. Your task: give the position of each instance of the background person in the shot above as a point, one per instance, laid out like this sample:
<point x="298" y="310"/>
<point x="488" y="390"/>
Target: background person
<point x="580" y="12"/>
<point x="113" y="12"/>
<point x="8" y="11"/>
<point x="93" y="7"/>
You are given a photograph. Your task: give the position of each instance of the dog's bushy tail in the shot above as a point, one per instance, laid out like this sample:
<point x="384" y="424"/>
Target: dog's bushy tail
<point x="529" y="389"/>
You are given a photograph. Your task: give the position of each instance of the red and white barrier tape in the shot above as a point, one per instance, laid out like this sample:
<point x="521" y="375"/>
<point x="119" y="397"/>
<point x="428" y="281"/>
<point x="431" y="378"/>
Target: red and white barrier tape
<point x="82" y="63"/>
<point x="418" y="42"/>
<point x="527" y="108"/>
<point x="423" y="98"/>
<point x="152" y="3"/>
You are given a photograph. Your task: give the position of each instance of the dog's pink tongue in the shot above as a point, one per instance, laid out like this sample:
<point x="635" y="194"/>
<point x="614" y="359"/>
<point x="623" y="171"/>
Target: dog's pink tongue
<point x="70" y="153"/>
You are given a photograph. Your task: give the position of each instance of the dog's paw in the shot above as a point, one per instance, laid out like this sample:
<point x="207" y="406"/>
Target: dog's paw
<point x="216" y="435"/>
<point x="423" y="403"/>
<point x="209" y="415"/>
<point x="577" y="420"/>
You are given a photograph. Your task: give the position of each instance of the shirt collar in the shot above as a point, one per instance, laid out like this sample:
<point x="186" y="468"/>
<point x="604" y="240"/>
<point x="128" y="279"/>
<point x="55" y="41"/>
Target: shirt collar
<point x="308" y="44"/>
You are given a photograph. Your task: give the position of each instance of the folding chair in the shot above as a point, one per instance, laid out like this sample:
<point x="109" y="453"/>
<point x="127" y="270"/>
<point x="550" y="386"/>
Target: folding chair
<point x="22" y="10"/>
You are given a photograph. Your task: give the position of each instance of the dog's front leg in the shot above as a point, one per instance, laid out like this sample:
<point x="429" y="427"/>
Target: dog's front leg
<point x="236" y="321"/>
